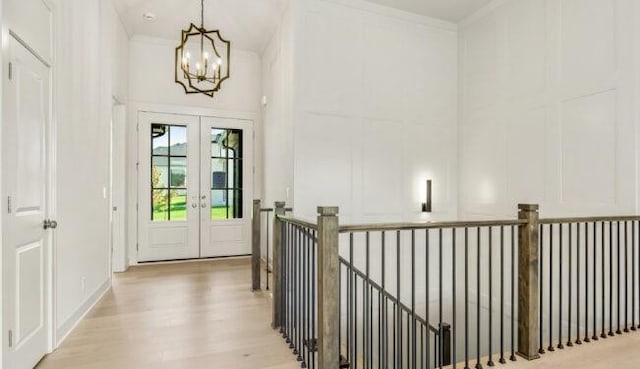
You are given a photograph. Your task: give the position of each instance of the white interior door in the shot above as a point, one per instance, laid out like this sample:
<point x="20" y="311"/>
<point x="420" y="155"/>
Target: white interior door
<point x="195" y="187"/>
<point x="226" y="185"/>
<point x="168" y="192"/>
<point x="25" y="189"/>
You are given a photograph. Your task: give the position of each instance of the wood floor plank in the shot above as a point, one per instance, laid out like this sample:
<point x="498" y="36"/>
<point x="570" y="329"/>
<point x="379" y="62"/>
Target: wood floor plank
<point x="177" y="316"/>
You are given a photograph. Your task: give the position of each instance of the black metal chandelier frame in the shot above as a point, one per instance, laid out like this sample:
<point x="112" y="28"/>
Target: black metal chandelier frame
<point x="194" y="80"/>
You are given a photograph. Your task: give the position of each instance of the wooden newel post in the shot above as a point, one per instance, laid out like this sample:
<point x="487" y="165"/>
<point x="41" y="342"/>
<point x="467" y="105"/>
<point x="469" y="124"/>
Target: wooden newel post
<point x="528" y="292"/>
<point x="255" y="246"/>
<point x="275" y="267"/>
<point x="328" y="289"/>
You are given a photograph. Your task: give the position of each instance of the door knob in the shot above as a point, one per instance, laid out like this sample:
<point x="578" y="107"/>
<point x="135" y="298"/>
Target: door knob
<point x="50" y="224"/>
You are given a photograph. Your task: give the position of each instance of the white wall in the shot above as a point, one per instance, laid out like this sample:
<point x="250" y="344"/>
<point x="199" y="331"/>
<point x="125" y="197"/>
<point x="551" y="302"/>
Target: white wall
<point x="152" y="63"/>
<point x="89" y="72"/>
<point x="362" y="109"/>
<point x="277" y="81"/>
<point x="152" y="88"/>
<point x="375" y="111"/>
<point x="547" y="108"/>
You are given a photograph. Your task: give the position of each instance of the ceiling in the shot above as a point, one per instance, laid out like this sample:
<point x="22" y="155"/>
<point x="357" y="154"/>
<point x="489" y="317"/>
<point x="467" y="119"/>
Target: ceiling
<point x="451" y="10"/>
<point x="250" y="23"/>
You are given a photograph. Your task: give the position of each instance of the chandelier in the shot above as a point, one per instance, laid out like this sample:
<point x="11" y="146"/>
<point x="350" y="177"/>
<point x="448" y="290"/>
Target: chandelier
<point x="202" y="59"/>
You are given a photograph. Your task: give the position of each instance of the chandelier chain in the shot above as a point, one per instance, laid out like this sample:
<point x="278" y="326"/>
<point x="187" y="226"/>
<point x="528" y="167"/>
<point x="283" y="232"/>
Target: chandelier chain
<point x="201" y="13"/>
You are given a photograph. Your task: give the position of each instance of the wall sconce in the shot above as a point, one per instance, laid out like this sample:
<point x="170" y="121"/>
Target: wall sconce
<point x="426" y="206"/>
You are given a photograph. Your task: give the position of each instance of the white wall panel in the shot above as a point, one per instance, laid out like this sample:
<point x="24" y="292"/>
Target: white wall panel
<point x="588" y="45"/>
<point x="383" y="167"/>
<point x="589" y="149"/>
<point x="527" y="148"/>
<point x="483" y="180"/>
<point x="331" y="69"/>
<point x="556" y="75"/>
<point x="392" y="85"/>
<point x="324" y="168"/>
<point x="525" y="52"/>
<point x="480" y="71"/>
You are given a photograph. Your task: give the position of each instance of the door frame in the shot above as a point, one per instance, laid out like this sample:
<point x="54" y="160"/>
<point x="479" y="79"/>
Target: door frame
<point x="7" y="35"/>
<point x="118" y="261"/>
<point x="133" y="151"/>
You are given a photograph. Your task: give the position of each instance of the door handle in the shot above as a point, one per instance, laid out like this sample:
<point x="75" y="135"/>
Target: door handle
<point x="50" y="224"/>
<point x="203" y="205"/>
<point x="194" y="205"/>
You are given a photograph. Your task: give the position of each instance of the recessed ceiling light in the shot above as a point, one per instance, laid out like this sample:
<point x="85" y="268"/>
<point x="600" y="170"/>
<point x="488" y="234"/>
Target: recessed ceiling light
<point x="149" y="17"/>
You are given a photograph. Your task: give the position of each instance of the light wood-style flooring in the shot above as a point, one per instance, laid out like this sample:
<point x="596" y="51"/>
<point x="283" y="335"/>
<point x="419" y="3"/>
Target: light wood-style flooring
<point x="177" y="316"/>
<point x="203" y="315"/>
<point x="619" y="352"/>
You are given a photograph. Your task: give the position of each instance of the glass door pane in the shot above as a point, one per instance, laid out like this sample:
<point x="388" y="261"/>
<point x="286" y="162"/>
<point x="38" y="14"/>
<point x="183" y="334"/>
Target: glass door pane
<point x="226" y="173"/>
<point x="168" y="172"/>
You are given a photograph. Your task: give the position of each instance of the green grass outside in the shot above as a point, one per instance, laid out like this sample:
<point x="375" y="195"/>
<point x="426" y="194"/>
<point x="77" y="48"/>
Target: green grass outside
<point x="179" y="210"/>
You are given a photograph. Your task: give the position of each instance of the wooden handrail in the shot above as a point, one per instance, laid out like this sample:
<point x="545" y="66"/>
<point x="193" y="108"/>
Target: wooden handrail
<point x="428" y="225"/>
<point x="616" y="218"/>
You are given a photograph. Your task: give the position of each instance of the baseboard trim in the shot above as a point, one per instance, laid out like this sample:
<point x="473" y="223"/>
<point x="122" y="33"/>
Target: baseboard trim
<point x="72" y="322"/>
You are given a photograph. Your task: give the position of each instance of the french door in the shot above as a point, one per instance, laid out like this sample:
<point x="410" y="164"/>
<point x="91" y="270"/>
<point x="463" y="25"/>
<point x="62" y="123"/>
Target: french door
<point x="195" y="187"/>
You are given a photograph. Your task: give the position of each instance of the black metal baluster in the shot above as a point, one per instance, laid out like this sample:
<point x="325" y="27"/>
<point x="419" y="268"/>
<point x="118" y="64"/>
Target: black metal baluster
<point x="399" y="298"/>
<point x="287" y="275"/>
<point x="578" y="340"/>
<point x="291" y="295"/>
<point x="365" y="307"/>
<point x="626" y="276"/>
<point x="427" y="316"/>
<point x="466" y="298"/>
<point x="618" y="238"/>
<point x="365" y="325"/>
<point x="305" y="300"/>
<point x="595" y="273"/>
<point x="384" y="306"/>
<point x="610" y="279"/>
<point x="290" y="310"/>
<point x="560" y="244"/>
<point x="478" y="294"/>
<point x="413" y="298"/>
<point x="541" y="283"/>
<point x="314" y="279"/>
<point x="408" y="340"/>
<point x="355" y="319"/>
<point x="440" y="278"/>
<point x="586" y="284"/>
<point x="297" y="289"/>
<point x="550" y="347"/>
<point x="513" y="303"/>
<point x="350" y="315"/>
<point x="602" y="283"/>
<point x="453" y="293"/>
<point x="569" y="342"/>
<point x="301" y="301"/>
<point x="502" y="360"/>
<point x="633" y="276"/>
<point x="490" y="273"/>
<point x="267" y="257"/>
